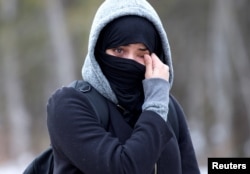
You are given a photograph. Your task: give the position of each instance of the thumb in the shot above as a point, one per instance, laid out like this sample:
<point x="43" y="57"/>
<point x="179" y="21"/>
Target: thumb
<point x="148" y="65"/>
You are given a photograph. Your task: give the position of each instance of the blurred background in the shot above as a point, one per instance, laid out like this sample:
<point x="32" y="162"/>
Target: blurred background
<point x="43" y="44"/>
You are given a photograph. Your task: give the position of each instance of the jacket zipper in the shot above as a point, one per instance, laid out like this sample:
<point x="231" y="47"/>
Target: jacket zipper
<point x="155" y="168"/>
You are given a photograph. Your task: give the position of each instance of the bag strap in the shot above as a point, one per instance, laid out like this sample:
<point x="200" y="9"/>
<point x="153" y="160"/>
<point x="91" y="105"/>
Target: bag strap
<point x="97" y="101"/>
<point x="172" y="116"/>
<point x="100" y="106"/>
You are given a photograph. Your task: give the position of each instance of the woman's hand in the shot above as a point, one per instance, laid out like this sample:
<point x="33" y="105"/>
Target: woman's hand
<point x="155" y="68"/>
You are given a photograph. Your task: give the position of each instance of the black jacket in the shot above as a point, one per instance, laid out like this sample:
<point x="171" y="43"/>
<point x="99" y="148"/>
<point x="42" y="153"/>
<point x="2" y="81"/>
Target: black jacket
<point x="82" y="145"/>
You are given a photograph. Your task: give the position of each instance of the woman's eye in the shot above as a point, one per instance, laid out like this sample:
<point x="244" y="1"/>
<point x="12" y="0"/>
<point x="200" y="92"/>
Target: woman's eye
<point x="143" y="54"/>
<point x="118" y="50"/>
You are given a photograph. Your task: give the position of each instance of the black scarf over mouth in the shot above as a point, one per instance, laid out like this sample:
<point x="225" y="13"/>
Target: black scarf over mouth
<point x="125" y="75"/>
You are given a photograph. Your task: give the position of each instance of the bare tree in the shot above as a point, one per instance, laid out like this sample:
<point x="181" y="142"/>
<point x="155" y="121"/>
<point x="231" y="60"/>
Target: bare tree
<point x="63" y="61"/>
<point x="240" y="63"/>
<point x="16" y="112"/>
<point x="227" y="56"/>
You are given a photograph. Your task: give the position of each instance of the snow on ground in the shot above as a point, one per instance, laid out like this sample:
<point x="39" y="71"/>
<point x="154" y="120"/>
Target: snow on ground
<point x="18" y="169"/>
<point x="18" y="166"/>
<point x="203" y="170"/>
<point x="11" y="168"/>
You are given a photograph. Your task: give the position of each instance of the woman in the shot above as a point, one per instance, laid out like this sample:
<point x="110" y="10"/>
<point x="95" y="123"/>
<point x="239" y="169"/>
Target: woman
<point x="129" y="63"/>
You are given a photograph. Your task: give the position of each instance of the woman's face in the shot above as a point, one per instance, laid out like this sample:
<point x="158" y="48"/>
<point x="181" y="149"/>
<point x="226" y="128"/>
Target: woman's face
<point x="135" y="52"/>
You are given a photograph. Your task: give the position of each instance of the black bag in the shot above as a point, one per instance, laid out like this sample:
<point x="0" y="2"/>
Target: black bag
<point x="43" y="164"/>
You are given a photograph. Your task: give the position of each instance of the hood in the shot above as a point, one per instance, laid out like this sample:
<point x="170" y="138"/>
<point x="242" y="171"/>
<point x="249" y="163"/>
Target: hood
<point x="108" y="11"/>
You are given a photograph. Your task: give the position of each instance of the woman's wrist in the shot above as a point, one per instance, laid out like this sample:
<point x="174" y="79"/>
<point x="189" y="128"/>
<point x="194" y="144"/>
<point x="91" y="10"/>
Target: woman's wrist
<point x="156" y="92"/>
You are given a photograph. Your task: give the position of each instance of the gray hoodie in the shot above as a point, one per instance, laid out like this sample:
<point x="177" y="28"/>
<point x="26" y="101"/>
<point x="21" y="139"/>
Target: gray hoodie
<point x="108" y="11"/>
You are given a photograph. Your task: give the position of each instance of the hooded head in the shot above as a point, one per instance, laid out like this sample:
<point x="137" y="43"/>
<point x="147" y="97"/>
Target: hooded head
<point x="127" y="30"/>
<point x="131" y="14"/>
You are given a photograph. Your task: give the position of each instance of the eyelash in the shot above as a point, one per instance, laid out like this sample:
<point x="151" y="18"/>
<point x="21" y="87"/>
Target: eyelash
<point x="118" y="50"/>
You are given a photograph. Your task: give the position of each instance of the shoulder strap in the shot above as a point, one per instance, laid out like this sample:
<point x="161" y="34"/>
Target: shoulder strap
<point x="173" y="117"/>
<point x="98" y="102"/>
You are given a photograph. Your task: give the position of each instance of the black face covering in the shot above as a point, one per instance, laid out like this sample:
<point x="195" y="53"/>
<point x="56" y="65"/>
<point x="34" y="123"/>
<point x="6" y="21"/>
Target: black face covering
<point x="125" y="75"/>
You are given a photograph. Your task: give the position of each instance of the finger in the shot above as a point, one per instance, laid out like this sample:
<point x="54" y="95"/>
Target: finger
<point x="160" y="69"/>
<point x="148" y="65"/>
<point x="156" y="62"/>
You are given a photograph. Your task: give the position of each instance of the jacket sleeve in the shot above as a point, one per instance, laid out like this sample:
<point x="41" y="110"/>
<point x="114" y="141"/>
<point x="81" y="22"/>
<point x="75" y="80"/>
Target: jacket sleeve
<point x="188" y="157"/>
<point x="76" y="133"/>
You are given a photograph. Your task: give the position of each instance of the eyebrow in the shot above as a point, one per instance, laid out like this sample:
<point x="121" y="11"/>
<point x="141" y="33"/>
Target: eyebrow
<point x="143" y="49"/>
